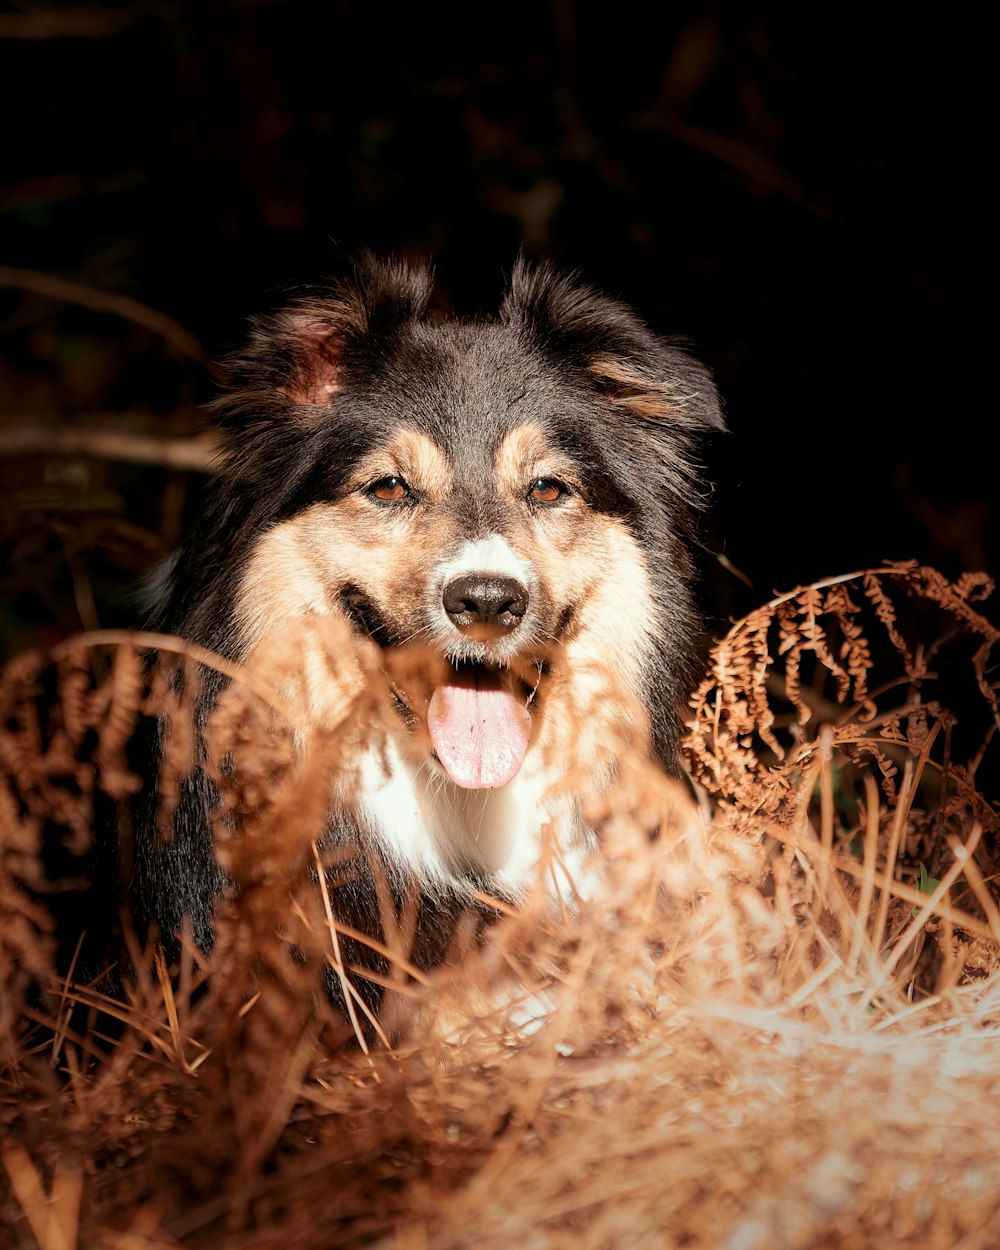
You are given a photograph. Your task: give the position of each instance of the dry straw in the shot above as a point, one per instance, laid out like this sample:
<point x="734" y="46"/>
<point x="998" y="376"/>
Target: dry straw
<point x="773" y="1022"/>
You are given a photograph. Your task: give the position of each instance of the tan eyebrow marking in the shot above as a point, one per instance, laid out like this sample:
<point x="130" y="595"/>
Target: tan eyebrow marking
<point x="412" y="456"/>
<point x="526" y="453"/>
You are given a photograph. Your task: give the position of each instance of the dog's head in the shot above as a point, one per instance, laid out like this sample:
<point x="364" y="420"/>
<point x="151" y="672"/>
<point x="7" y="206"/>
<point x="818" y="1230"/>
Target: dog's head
<point x="511" y="495"/>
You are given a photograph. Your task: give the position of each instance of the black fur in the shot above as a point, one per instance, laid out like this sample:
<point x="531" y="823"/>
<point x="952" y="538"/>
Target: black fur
<point x="628" y="406"/>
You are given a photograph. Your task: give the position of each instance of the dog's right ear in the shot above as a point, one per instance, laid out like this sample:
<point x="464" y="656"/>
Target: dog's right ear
<point x="654" y="379"/>
<point x="298" y="357"/>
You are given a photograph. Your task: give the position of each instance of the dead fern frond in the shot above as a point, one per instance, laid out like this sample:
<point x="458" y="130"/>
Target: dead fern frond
<point x="812" y="941"/>
<point x="172" y="695"/>
<point x="886" y="613"/>
<point x="734" y="740"/>
<point x="124" y="693"/>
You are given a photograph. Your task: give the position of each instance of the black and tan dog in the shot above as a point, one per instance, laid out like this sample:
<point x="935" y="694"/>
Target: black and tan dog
<point x="513" y="495"/>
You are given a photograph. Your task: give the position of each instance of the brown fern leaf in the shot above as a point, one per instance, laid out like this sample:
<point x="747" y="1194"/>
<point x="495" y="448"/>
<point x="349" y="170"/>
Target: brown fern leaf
<point x="46" y="765"/>
<point x="983" y="662"/>
<point x="760" y="715"/>
<point x="891" y="729"/>
<point x="745" y="754"/>
<point x="812" y="606"/>
<point x="20" y="726"/>
<point x="964" y="796"/>
<point x="936" y="587"/>
<point x="26" y="941"/>
<point x="859" y="750"/>
<point x="953" y="597"/>
<point x="125" y="688"/>
<point x="974" y="586"/>
<point x="790" y="646"/>
<point x="886" y="613"/>
<point x="172" y="695"/>
<point x="76" y="685"/>
<point x="854" y="650"/>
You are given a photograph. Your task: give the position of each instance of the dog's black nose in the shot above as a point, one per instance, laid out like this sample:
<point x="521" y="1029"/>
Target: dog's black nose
<point x="480" y="600"/>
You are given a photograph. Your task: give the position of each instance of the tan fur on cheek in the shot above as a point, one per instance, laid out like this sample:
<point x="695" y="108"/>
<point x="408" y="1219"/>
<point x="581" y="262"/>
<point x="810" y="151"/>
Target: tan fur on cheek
<point x="288" y="624"/>
<point x="618" y="621"/>
<point x="595" y="698"/>
<point x="288" y="596"/>
<point x="280" y="584"/>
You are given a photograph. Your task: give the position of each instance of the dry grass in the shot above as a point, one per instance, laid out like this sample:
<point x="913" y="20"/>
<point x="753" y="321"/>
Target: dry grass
<point x="774" y="1024"/>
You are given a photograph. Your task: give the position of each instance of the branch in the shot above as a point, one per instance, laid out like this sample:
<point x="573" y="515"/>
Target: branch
<point x="739" y="156"/>
<point x="67" y="23"/>
<point x="181" y="339"/>
<point x="197" y="452"/>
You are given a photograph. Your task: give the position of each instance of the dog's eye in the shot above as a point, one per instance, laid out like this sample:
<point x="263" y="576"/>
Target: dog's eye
<point x="547" y="490"/>
<point x="389" y="490"/>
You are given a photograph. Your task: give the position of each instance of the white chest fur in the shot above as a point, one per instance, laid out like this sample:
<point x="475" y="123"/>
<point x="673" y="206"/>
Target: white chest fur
<point x="442" y="833"/>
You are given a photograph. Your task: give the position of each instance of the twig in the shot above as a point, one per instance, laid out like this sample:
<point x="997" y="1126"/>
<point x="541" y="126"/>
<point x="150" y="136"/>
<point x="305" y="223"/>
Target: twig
<point x="197" y="452"/>
<point x="738" y="156"/>
<point x="59" y="188"/>
<point x="69" y="23"/>
<point x="63" y="290"/>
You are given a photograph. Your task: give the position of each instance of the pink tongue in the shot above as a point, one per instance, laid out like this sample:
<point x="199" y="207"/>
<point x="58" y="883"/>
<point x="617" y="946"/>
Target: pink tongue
<point x="480" y="731"/>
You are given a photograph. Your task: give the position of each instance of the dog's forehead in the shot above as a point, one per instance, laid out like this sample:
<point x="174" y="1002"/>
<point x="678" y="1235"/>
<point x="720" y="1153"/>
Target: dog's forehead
<point x="473" y="403"/>
<point x="471" y="384"/>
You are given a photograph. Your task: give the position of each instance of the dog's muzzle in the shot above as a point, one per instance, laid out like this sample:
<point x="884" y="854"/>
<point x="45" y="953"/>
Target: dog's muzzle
<point x="477" y="719"/>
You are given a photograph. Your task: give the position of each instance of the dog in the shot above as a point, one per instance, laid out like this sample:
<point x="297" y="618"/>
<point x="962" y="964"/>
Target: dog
<point x="514" y="497"/>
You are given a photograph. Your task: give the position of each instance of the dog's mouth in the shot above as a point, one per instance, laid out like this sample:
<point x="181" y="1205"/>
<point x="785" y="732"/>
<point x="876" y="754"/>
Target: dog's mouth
<point x="480" y="725"/>
<point x="478" y="714"/>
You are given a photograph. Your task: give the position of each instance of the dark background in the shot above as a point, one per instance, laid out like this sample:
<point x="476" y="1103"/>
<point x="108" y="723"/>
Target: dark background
<point x="802" y="191"/>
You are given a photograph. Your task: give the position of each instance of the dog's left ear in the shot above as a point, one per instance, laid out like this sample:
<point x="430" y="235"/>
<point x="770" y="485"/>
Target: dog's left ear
<point x="298" y="357"/>
<point x="654" y="379"/>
